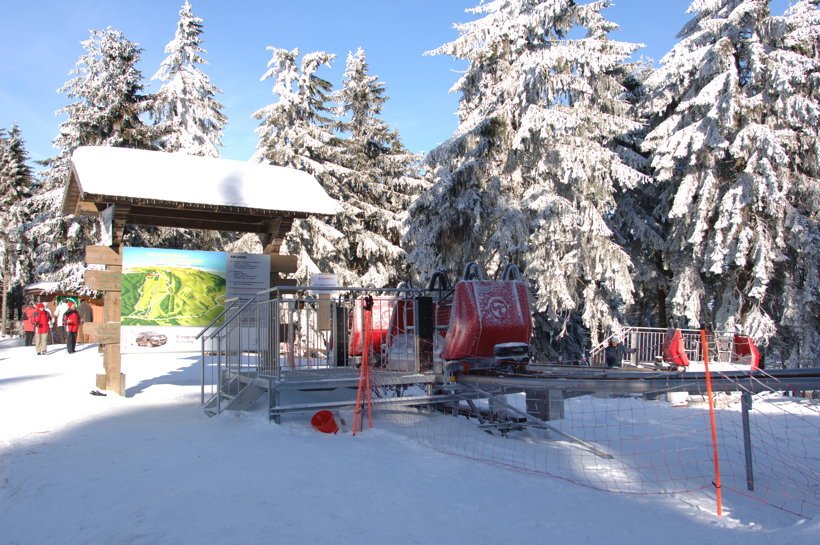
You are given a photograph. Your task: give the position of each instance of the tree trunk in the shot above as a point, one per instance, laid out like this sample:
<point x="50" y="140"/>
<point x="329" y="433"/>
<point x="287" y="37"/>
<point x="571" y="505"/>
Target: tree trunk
<point x="662" y="308"/>
<point x="3" y="328"/>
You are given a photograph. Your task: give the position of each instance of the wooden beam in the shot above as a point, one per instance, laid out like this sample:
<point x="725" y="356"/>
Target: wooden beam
<point x="103" y="332"/>
<point x="153" y="204"/>
<point x="268" y="239"/>
<point x="273" y="242"/>
<point x="209" y="224"/>
<point x="103" y="280"/>
<point x="277" y="281"/>
<point x="85" y="208"/>
<point x="283" y="264"/>
<point x="112" y="306"/>
<point x="202" y="214"/>
<point x="102" y="255"/>
<point x="114" y="379"/>
<point x="121" y="212"/>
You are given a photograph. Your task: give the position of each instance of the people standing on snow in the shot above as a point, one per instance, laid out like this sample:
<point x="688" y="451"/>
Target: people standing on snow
<point x="28" y="325"/>
<point x="615" y="352"/>
<point x="71" y="324"/>
<point x="59" y="331"/>
<point x="86" y="316"/>
<point x="41" y="320"/>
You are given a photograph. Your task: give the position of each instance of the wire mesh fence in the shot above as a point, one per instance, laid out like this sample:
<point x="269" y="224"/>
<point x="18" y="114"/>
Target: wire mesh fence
<point x="630" y="443"/>
<point x="639" y="444"/>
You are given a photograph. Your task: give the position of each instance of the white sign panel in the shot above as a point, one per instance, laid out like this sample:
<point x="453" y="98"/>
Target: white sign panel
<point x="169" y="296"/>
<point x="325" y="280"/>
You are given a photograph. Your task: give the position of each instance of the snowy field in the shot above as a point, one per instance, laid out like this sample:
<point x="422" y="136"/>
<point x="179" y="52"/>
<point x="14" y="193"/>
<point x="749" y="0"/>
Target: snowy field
<point x="151" y="468"/>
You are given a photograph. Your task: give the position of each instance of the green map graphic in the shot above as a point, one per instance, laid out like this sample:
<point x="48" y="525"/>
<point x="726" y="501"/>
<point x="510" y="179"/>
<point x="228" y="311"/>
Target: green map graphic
<point x="171" y="296"/>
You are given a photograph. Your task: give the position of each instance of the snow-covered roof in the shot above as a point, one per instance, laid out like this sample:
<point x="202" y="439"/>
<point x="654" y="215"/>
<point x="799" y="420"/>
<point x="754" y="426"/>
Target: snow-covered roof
<point x="45" y="287"/>
<point x="179" y="178"/>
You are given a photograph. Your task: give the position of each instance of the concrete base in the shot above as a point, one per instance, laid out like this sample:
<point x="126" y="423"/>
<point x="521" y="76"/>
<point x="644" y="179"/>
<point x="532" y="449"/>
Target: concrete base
<point x="545" y="404"/>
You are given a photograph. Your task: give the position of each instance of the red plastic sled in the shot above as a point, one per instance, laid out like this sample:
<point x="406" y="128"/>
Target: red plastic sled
<point x="486" y="313"/>
<point x="673" y="351"/>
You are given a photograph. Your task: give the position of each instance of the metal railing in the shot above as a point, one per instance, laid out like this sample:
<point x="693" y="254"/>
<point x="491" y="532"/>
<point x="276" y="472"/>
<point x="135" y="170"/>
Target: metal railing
<point x="314" y="331"/>
<point x="647" y="343"/>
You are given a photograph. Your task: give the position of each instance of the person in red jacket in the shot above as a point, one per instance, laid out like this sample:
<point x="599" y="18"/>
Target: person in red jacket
<point x="28" y="326"/>
<point x="41" y="320"/>
<point x="71" y="324"/>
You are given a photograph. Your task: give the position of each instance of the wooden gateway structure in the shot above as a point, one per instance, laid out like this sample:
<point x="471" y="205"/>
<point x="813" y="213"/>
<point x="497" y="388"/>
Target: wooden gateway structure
<point x="127" y="186"/>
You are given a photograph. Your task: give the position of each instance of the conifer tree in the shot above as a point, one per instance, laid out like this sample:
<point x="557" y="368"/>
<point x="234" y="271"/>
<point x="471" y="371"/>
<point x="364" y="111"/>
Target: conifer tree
<point x="186" y="108"/>
<point x="16" y="181"/>
<point x="186" y="102"/>
<point x="530" y="173"/>
<point x="381" y="182"/>
<point x="108" y="89"/>
<point x="296" y="132"/>
<point x="735" y="148"/>
<point x="360" y="242"/>
<point x="16" y="177"/>
<point x="367" y="170"/>
<point x="107" y="112"/>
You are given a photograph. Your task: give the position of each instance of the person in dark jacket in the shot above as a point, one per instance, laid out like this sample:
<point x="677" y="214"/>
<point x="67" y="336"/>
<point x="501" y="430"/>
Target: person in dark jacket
<point x="71" y="324"/>
<point x="615" y="352"/>
<point x="86" y="316"/>
<point x="41" y="320"/>
<point x="28" y="325"/>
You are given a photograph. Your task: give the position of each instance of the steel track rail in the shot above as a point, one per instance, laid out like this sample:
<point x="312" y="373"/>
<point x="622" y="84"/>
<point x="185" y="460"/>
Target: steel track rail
<point x="617" y="381"/>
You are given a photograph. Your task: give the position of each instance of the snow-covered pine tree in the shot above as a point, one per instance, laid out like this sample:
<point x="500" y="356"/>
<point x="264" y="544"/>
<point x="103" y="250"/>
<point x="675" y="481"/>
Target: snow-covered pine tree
<point x="107" y="112"/>
<point x="359" y="243"/>
<point x="16" y="181"/>
<point x="795" y="284"/>
<point x="637" y="230"/>
<point x="296" y="131"/>
<point x="16" y="177"/>
<point x="529" y="174"/>
<point x="186" y="107"/>
<point x="186" y="102"/>
<point x="381" y="181"/>
<point x="108" y="88"/>
<point x="735" y="147"/>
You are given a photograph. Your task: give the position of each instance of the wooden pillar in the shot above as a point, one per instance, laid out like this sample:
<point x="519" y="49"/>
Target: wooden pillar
<point x="113" y="379"/>
<point x="107" y="332"/>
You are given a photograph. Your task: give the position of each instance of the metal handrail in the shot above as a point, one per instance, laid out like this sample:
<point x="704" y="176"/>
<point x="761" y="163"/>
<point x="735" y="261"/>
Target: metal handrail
<point x="232" y="304"/>
<point x="232" y="301"/>
<point x="238" y="313"/>
<point x="638" y="338"/>
<point x="344" y="289"/>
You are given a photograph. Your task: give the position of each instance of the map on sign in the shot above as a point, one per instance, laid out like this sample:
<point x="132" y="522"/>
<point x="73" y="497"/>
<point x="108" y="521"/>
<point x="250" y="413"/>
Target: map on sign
<point x="177" y="288"/>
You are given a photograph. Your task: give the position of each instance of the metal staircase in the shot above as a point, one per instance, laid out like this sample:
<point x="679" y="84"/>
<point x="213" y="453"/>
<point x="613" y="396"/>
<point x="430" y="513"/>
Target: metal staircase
<point x="238" y="393"/>
<point x="236" y="384"/>
<point x="290" y="341"/>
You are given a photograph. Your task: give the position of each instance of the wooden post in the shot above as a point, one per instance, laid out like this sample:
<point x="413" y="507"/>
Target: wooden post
<point x="323" y="322"/>
<point x="112" y="359"/>
<point x="107" y="333"/>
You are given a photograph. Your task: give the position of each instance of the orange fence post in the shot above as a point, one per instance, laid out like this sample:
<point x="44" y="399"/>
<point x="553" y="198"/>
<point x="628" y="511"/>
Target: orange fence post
<point x="705" y="348"/>
<point x="364" y="370"/>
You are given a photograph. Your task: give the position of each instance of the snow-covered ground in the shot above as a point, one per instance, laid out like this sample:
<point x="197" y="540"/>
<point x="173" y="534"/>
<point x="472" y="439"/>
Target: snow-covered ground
<point x="152" y="468"/>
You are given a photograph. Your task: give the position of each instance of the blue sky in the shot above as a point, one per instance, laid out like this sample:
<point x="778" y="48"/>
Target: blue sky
<point x="40" y="44"/>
